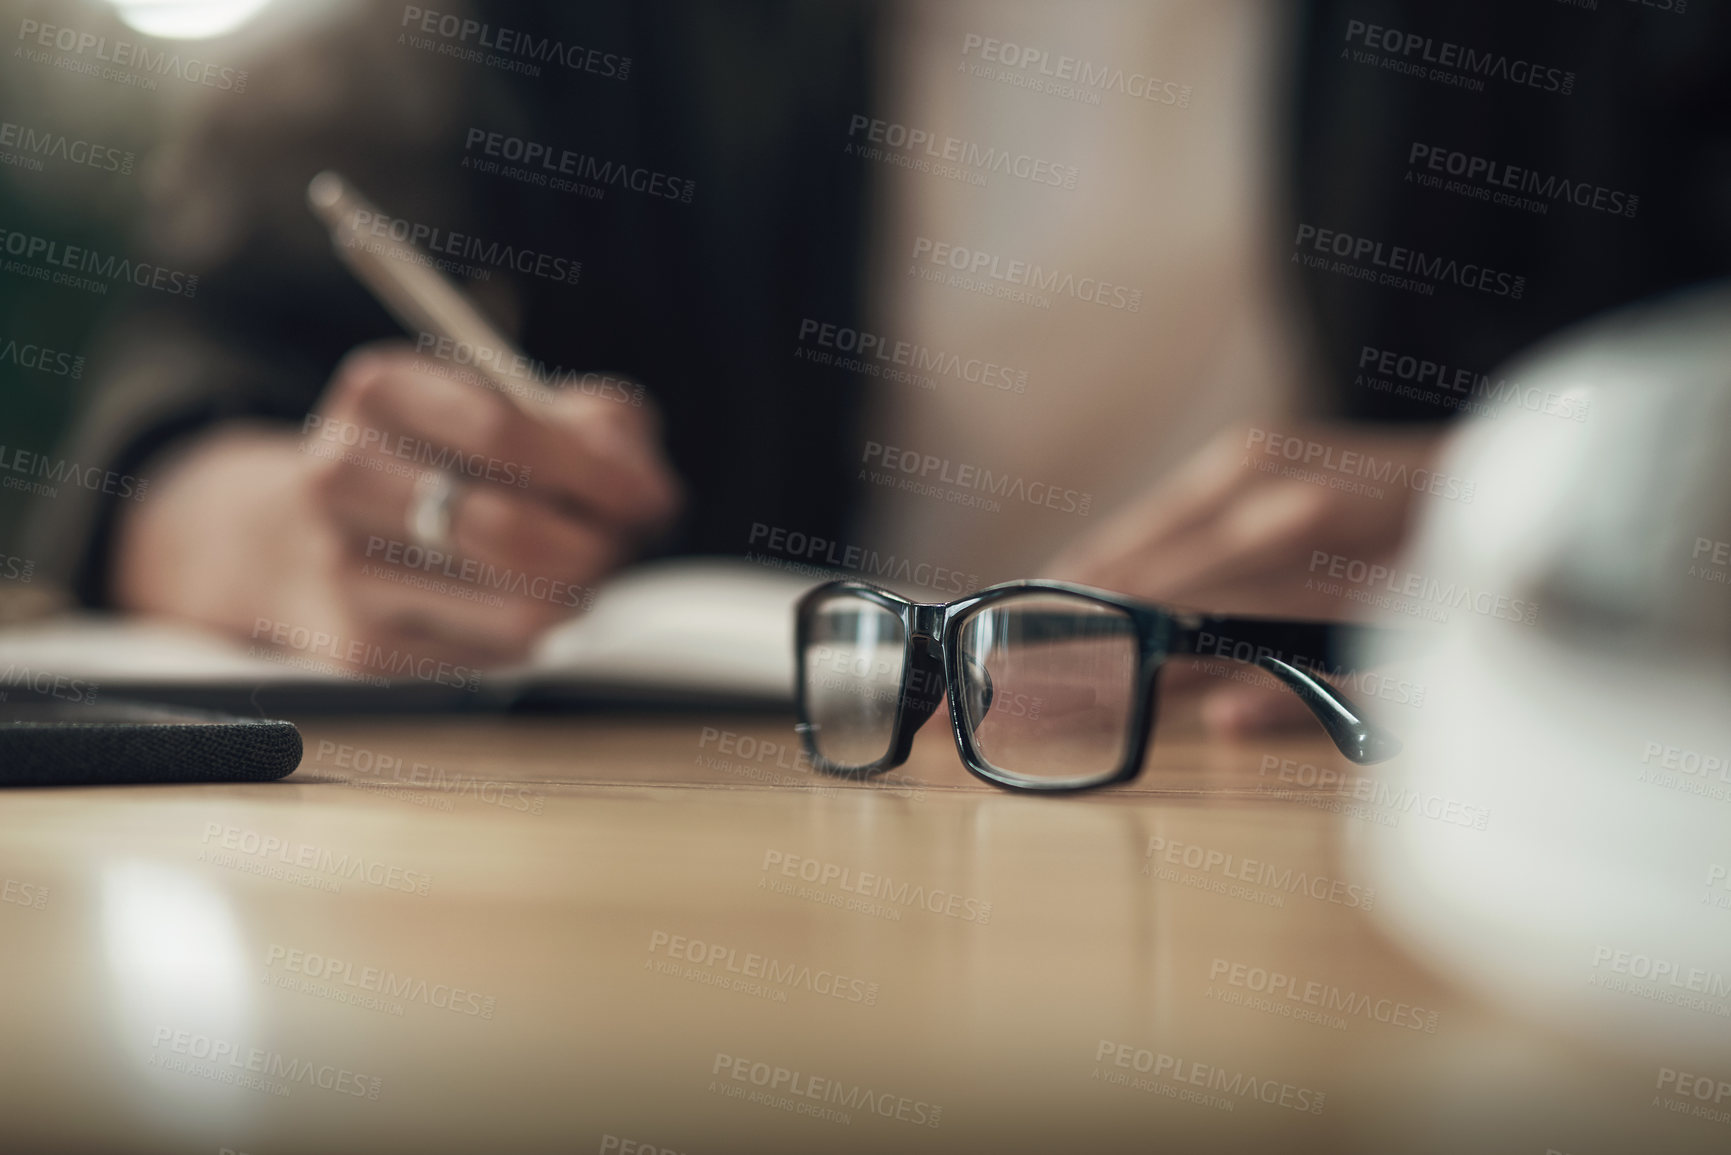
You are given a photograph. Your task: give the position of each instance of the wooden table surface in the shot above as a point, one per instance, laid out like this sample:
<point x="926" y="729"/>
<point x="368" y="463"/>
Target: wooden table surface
<point x="664" y="933"/>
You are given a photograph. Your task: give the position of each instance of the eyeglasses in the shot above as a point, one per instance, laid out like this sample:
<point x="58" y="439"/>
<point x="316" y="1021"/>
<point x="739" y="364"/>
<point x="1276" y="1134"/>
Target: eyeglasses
<point x="1050" y="685"/>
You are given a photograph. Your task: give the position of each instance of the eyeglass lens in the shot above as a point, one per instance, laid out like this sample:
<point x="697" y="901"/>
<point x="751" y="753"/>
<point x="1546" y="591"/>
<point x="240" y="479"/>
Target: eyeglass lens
<point x="852" y="670"/>
<point x="1048" y="686"/>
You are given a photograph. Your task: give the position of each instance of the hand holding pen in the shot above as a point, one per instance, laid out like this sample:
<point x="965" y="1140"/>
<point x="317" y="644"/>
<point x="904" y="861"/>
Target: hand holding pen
<point x="452" y="506"/>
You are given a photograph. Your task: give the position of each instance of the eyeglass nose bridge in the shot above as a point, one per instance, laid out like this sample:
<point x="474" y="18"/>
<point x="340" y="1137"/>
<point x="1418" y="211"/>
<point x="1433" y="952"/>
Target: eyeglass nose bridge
<point x="924" y="687"/>
<point x="927" y="623"/>
<point x="927" y="682"/>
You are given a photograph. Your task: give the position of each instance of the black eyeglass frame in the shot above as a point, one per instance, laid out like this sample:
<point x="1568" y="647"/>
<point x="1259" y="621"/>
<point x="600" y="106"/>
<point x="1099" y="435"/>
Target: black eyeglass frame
<point x="931" y="671"/>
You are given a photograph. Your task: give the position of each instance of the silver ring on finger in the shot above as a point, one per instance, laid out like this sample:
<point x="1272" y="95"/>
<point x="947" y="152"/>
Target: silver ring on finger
<point x="429" y="513"/>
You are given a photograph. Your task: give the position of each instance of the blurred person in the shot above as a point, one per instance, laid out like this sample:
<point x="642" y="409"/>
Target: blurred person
<point x="274" y="411"/>
<point x="1195" y="204"/>
<point x="1593" y="182"/>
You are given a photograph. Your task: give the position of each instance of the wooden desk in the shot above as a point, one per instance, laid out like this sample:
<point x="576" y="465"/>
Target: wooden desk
<point x="573" y="935"/>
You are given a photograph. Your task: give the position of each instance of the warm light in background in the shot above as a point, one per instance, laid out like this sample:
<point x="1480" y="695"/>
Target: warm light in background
<point x="187" y="19"/>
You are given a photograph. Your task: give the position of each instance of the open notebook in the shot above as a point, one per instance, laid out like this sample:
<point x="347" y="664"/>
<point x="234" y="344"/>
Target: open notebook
<point x="708" y="633"/>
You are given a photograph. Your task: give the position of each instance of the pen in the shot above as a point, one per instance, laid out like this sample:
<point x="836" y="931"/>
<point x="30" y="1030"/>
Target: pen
<point x="418" y="295"/>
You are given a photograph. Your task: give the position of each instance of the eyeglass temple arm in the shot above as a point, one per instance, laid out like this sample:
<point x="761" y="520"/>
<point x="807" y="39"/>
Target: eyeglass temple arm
<point x="1283" y="648"/>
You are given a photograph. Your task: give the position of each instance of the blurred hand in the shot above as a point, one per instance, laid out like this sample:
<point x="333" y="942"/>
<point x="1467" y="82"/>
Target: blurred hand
<point x="261" y="533"/>
<point x="1250" y="525"/>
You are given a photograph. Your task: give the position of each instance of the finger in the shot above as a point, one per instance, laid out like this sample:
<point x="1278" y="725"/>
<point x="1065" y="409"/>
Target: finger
<point x="584" y="451"/>
<point x="499" y="529"/>
<point x="641" y="421"/>
<point x="633" y="432"/>
<point x="524" y="536"/>
<point x="1263" y="530"/>
<point x="1277" y="533"/>
<point x="1293" y="591"/>
<point x="1200" y="488"/>
<point x="1266" y="527"/>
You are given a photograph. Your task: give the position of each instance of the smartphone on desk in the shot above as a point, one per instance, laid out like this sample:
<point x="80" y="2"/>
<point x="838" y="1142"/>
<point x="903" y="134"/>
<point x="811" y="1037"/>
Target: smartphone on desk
<point x="52" y="743"/>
